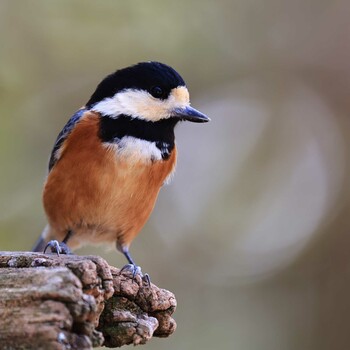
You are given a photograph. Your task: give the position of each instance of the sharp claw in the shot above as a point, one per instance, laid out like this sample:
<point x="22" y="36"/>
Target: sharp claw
<point x="127" y="267"/>
<point x="136" y="270"/>
<point x="147" y="279"/>
<point x="57" y="247"/>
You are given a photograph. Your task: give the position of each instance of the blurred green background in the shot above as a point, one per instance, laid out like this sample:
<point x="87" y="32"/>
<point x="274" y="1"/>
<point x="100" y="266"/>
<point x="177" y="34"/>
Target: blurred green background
<point x="253" y="234"/>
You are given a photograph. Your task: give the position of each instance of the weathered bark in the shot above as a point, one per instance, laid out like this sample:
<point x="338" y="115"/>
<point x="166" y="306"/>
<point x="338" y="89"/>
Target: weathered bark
<point x="77" y="302"/>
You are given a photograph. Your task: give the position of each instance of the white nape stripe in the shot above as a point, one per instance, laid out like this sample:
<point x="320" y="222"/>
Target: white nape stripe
<point x="140" y="104"/>
<point x="135" y="150"/>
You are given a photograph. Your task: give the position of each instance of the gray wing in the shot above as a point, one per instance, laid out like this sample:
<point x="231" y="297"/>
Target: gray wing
<point x="63" y="135"/>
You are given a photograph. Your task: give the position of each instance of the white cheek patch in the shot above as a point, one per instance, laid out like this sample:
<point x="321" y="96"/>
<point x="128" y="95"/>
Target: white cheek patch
<point x="135" y="150"/>
<point x="142" y="105"/>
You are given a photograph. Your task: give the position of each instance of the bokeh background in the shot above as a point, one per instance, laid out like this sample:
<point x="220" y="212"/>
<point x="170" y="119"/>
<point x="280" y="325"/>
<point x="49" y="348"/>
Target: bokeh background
<point x="253" y="234"/>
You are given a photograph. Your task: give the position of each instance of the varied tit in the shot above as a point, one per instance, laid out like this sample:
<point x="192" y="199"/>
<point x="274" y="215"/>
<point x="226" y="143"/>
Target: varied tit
<point x="112" y="157"/>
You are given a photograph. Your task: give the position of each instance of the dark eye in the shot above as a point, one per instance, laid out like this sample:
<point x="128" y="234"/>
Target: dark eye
<point x="156" y="91"/>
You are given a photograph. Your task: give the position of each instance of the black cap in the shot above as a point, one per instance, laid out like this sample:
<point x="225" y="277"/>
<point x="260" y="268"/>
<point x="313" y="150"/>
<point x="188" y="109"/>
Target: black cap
<point x="154" y="77"/>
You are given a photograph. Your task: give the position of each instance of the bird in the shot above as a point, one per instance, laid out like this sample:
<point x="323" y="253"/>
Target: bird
<point x="112" y="157"/>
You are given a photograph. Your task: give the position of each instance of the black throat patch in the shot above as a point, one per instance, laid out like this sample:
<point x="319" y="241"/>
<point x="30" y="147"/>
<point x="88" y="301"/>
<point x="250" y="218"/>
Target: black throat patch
<point x="161" y="132"/>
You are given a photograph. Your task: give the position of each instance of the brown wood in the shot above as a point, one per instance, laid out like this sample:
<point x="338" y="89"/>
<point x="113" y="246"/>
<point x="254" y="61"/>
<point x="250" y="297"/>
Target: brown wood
<point x="77" y="302"/>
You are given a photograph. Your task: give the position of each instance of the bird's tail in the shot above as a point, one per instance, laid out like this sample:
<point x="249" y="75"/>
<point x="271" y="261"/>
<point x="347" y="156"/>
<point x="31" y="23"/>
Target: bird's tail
<point x="41" y="242"/>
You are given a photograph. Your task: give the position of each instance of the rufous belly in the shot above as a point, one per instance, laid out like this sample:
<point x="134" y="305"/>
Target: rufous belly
<point x="100" y="197"/>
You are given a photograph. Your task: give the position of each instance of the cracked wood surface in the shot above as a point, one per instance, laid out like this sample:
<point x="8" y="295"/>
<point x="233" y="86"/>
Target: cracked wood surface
<point x="77" y="302"/>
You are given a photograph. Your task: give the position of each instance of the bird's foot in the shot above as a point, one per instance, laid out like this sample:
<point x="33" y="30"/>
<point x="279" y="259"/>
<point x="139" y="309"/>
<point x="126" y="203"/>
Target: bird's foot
<point x="136" y="270"/>
<point x="58" y="247"/>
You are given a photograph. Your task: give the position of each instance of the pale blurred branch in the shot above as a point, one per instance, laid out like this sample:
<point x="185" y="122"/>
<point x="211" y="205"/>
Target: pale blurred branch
<point x="77" y="302"/>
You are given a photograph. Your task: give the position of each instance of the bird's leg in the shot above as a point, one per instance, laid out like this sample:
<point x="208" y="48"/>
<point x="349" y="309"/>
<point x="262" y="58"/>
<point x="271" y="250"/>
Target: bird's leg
<point x="60" y="247"/>
<point x="128" y="257"/>
<point x="132" y="266"/>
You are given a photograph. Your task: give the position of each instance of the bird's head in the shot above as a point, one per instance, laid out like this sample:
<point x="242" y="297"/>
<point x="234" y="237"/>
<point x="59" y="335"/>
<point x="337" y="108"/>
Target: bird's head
<point x="149" y="91"/>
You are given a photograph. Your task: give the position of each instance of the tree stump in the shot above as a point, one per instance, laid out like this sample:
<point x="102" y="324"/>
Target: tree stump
<point x="77" y="302"/>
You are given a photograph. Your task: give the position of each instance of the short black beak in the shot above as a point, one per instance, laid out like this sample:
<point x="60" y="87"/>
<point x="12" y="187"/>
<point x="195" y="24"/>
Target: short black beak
<point x="190" y="114"/>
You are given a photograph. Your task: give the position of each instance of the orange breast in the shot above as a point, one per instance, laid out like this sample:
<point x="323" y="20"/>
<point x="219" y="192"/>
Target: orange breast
<point x="99" y="196"/>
